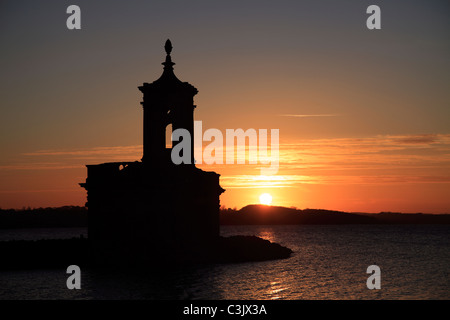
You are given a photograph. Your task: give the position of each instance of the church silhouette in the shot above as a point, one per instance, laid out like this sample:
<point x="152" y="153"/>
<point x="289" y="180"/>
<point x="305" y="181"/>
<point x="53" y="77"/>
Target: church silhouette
<point x="141" y="209"/>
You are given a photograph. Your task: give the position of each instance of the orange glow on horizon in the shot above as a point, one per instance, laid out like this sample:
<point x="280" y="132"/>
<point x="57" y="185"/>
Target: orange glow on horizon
<point x="383" y="173"/>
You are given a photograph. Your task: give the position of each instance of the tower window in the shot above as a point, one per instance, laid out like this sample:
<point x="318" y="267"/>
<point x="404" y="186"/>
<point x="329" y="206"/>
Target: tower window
<point x="169" y="136"/>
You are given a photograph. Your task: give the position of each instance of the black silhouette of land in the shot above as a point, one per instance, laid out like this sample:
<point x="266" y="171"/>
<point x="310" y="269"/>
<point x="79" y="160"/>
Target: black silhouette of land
<point x="275" y="215"/>
<point x="76" y="216"/>
<point x="21" y="254"/>
<point x="60" y="253"/>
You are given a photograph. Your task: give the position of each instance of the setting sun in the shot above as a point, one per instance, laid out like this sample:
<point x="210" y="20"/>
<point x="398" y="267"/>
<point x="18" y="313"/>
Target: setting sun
<point x="265" y="198"/>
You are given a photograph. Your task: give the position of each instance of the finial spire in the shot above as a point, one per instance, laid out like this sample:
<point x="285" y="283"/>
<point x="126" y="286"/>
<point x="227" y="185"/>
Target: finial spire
<point x="168" y="64"/>
<point x="168" y="46"/>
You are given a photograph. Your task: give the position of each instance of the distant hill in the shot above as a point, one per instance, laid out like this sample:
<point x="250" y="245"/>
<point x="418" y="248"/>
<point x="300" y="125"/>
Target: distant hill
<point x="73" y="216"/>
<point x="60" y="217"/>
<point x="272" y="215"/>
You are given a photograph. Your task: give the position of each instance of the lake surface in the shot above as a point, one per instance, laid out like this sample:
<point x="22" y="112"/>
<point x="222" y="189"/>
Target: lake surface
<point x="329" y="262"/>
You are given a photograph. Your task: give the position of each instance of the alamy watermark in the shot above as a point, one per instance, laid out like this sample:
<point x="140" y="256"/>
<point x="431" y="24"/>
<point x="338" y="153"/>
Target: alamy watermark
<point x="373" y="21"/>
<point x="235" y="145"/>
<point x="374" y="281"/>
<point x="74" y="280"/>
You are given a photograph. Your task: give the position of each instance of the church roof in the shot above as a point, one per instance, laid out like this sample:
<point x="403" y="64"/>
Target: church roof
<point x="168" y="80"/>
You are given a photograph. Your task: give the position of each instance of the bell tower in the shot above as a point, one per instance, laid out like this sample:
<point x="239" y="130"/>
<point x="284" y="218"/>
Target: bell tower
<point x="166" y="101"/>
<point x="142" y="209"/>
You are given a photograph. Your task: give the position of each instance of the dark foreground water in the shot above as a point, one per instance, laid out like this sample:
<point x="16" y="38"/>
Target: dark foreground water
<point x="329" y="262"/>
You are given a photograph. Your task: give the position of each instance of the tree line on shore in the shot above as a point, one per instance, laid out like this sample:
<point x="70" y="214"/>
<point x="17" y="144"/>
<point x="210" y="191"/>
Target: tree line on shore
<point x="76" y="216"/>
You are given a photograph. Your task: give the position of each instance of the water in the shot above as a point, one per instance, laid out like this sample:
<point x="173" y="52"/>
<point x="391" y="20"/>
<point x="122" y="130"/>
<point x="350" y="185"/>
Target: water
<point x="329" y="262"/>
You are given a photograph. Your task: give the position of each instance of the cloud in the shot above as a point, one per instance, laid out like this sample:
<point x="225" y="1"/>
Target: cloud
<point x="383" y="159"/>
<point x="376" y="160"/>
<point x="255" y="181"/>
<point x="419" y="139"/>
<point x="119" y="150"/>
<point x="61" y="159"/>
<point x="307" y="115"/>
<point x="39" y="166"/>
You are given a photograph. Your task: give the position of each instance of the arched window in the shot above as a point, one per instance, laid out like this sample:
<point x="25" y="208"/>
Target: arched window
<point x="169" y="136"/>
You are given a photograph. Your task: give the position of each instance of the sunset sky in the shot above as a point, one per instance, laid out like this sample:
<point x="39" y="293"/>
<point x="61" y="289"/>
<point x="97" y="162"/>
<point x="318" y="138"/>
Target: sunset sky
<point x="363" y="115"/>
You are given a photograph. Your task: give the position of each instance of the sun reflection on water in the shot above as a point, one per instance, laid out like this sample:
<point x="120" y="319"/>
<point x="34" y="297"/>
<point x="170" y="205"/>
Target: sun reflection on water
<point x="276" y="289"/>
<point x="266" y="235"/>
